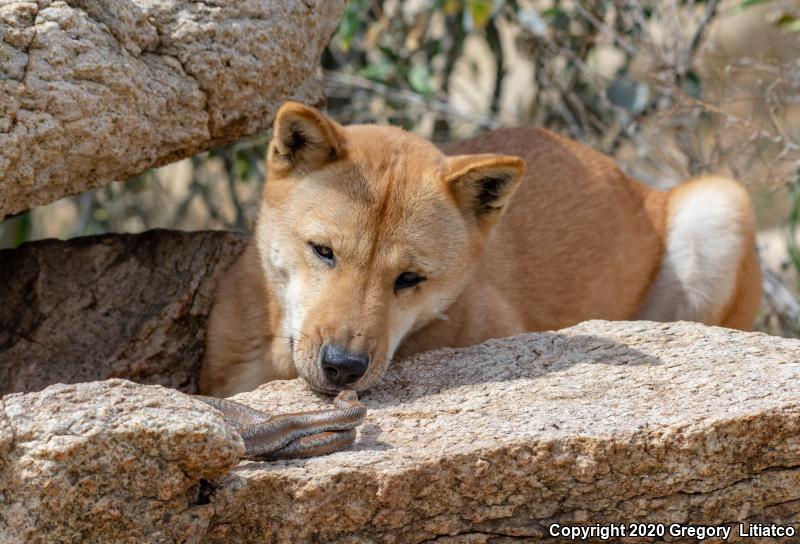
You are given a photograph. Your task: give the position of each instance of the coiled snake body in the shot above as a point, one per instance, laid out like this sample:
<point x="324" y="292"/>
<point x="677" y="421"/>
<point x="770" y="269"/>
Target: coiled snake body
<point x="294" y="435"/>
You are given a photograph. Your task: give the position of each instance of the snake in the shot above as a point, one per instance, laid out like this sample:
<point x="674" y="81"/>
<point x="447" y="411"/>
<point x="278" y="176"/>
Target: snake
<point x="294" y="435"/>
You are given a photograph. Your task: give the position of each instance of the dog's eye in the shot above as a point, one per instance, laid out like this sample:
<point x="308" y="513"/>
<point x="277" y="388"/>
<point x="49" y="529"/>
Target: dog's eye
<point x="323" y="252"/>
<point x="406" y="280"/>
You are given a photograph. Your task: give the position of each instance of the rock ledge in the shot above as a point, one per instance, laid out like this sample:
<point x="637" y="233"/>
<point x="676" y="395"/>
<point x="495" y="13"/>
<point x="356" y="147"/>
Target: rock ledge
<point x="603" y="422"/>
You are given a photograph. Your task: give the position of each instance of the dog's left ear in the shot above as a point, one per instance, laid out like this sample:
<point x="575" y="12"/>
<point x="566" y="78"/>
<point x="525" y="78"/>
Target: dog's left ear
<point x="304" y="139"/>
<point x="483" y="184"/>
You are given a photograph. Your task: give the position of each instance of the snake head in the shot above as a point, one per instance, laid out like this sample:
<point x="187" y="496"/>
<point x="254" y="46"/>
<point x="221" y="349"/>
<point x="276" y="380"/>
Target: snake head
<point x="294" y="435"/>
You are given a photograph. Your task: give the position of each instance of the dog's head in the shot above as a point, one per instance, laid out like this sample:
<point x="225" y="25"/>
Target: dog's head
<point x="367" y="234"/>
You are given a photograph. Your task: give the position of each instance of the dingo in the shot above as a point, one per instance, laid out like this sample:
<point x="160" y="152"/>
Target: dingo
<point x="374" y="244"/>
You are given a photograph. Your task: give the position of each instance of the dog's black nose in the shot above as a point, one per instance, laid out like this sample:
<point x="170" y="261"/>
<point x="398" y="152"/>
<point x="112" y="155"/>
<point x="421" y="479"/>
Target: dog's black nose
<point x="342" y="367"/>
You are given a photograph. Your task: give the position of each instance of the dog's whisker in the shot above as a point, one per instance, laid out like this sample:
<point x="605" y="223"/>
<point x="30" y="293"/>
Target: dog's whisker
<point x="298" y="331"/>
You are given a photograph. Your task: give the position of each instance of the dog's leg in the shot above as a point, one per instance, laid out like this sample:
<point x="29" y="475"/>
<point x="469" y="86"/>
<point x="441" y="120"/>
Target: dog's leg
<point x="707" y="271"/>
<point x="242" y="351"/>
<point x="746" y="299"/>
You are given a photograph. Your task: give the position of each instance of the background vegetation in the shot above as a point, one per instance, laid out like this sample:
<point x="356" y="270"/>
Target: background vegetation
<point x="671" y="88"/>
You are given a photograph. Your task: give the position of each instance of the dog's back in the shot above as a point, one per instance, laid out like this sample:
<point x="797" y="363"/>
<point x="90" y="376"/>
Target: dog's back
<point x="372" y="245"/>
<point x="582" y="240"/>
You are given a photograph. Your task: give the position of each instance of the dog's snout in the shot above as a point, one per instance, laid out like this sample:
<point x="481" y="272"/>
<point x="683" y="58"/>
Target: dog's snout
<point x="342" y="367"/>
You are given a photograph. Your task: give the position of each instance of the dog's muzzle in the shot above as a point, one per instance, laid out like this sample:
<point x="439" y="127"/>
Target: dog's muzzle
<point x="342" y="367"/>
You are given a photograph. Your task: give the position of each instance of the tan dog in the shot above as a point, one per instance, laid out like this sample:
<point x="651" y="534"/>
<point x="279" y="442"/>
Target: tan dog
<point x="373" y="244"/>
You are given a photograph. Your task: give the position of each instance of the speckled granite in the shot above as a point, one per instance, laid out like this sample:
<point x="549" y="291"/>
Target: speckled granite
<point x="603" y="422"/>
<point x="93" y="91"/>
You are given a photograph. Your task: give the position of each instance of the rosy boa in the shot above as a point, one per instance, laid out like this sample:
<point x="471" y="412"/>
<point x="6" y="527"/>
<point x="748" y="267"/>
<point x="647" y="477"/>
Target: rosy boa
<point x="294" y="435"/>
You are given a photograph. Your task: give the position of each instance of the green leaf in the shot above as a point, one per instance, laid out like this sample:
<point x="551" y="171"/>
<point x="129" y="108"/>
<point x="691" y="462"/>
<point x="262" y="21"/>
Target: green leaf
<point x="789" y="23"/>
<point x="419" y="77"/>
<point x="451" y="7"/>
<point x="748" y="3"/>
<point x="24" y="229"/>
<point x="350" y="23"/>
<point x="480" y="11"/>
<point x="242" y="166"/>
<point x="558" y="17"/>
<point x="793" y="244"/>
<point x="379" y="71"/>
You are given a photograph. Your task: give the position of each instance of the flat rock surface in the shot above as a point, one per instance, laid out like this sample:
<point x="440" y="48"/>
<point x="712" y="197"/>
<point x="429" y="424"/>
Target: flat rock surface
<point x="93" y="91"/>
<point x="603" y="422"/>
<point x="115" y="305"/>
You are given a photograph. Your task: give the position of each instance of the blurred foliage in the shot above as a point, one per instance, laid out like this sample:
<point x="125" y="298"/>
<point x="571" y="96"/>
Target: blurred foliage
<point x="793" y="244"/>
<point x="613" y="74"/>
<point x="638" y="79"/>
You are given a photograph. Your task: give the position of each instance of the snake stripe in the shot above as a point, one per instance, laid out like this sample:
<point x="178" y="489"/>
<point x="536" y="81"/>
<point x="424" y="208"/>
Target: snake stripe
<point x="294" y="435"/>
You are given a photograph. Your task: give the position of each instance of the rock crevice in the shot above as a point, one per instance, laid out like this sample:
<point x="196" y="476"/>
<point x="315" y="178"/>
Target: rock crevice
<point x="114" y="305"/>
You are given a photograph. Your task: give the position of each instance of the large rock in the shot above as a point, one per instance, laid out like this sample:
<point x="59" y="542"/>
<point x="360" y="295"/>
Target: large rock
<point x="115" y="305"/>
<point x="599" y="423"/>
<point x="109" y="462"/>
<point x="98" y="90"/>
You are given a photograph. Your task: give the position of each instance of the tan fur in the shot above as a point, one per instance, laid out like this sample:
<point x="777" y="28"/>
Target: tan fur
<point x="579" y="240"/>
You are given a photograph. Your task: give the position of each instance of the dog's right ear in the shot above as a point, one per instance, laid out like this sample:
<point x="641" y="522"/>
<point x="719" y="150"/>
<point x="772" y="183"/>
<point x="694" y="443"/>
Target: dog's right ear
<point x="304" y="140"/>
<point x="483" y="184"/>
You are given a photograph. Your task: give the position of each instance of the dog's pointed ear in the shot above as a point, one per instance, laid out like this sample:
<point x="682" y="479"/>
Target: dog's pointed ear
<point x="484" y="184"/>
<point x="304" y="139"/>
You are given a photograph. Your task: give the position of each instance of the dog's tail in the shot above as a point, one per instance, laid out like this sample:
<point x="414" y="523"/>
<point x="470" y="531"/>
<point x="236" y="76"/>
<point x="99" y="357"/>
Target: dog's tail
<point x="709" y="271"/>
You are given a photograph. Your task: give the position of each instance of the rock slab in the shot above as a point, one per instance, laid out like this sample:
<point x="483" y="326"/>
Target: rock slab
<point x="93" y="91"/>
<point x="603" y="422"/>
<point x="115" y="305"/>
<point x="109" y="462"/>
